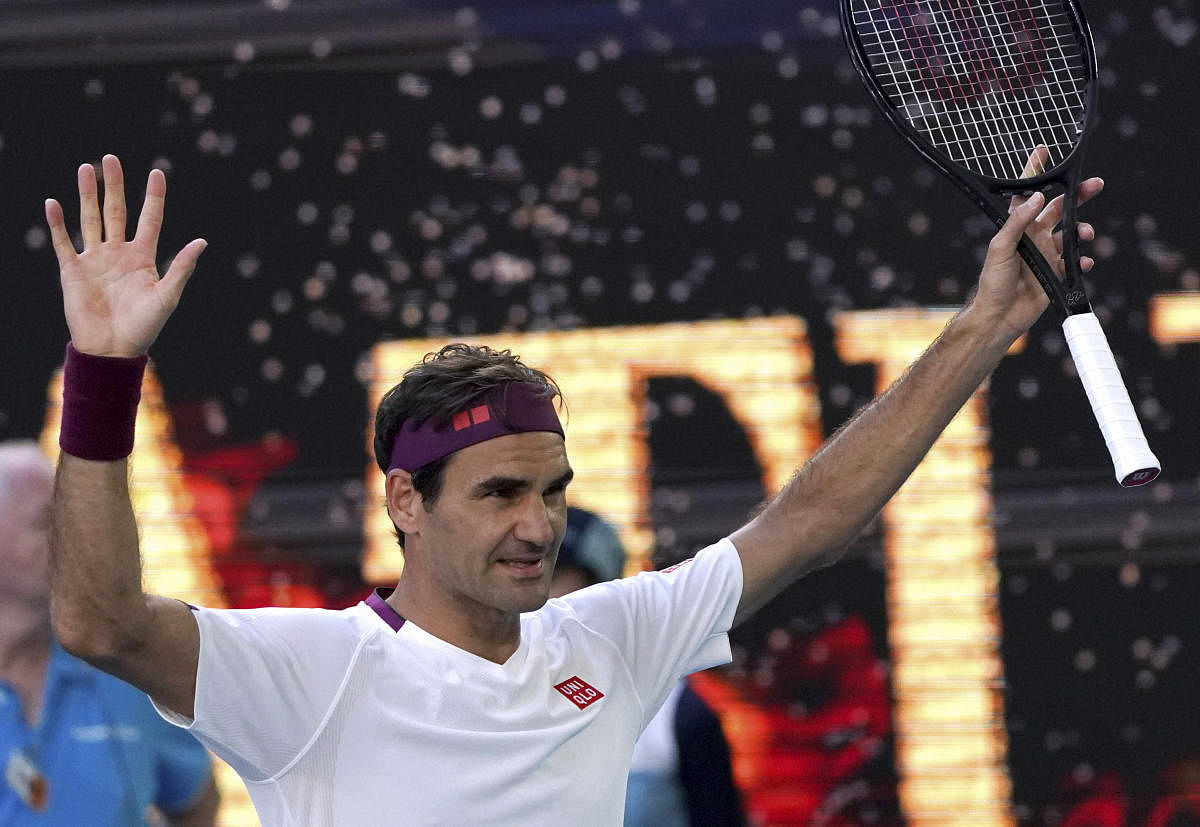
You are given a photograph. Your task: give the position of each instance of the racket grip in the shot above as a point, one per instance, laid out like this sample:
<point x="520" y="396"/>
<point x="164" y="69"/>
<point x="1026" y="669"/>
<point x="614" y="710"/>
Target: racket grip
<point x="1133" y="461"/>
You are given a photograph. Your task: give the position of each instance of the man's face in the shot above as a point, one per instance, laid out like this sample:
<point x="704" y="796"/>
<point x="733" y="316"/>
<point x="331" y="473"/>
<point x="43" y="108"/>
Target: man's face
<point x="490" y="538"/>
<point x="25" y="536"/>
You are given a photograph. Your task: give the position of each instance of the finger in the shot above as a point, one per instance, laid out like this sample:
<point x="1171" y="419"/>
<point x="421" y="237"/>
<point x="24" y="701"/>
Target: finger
<point x="1086" y="233"/>
<point x="1035" y="165"/>
<point x="1021" y="217"/>
<point x="89" y="207"/>
<point x="176" y="278"/>
<point x="151" y="218"/>
<point x="1037" y="161"/>
<point x="1052" y="215"/>
<point x="1083" y="230"/>
<point x="1088" y="190"/>
<point x="1054" y="211"/>
<point x="64" y="248"/>
<point x="114" y="199"/>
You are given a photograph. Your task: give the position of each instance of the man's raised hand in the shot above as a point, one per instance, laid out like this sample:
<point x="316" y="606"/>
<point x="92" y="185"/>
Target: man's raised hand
<point x="114" y="299"/>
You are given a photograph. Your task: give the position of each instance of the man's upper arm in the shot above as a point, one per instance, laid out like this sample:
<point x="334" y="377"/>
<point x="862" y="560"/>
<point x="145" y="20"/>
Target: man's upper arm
<point x="849" y="480"/>
<point x="775" y="550"/>
<point x="164" y="663"/>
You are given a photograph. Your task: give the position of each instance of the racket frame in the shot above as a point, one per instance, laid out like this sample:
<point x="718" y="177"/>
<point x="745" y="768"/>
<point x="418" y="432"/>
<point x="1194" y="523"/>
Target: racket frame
<point x="1067" y="293"/>
<point x="1133" y="462"/>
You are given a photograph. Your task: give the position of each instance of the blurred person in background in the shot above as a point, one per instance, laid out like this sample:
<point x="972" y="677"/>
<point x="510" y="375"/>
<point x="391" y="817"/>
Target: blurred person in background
<point x="79" y="746"/>
<point x="681" y="775"/>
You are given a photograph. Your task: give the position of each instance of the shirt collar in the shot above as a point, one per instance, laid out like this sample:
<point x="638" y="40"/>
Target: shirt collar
<point x="377" y="601"/>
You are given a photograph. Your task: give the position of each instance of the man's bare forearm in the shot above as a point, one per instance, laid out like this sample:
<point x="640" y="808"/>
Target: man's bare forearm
<point x="879" y="448"/>
<point x="856" y="472"/>
<point x="96" y="571"/>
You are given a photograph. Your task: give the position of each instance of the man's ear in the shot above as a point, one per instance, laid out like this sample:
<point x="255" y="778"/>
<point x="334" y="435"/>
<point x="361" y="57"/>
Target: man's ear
<point x="403" y="501"/>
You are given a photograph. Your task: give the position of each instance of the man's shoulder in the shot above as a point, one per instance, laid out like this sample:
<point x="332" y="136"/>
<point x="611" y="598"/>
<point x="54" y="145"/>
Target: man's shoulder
<point x="305" y="626"/>
<point x="298" y="614"/>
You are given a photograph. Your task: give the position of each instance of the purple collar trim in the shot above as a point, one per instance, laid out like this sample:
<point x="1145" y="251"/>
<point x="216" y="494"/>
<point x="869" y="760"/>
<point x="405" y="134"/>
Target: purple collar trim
<point x="377" y="600"/>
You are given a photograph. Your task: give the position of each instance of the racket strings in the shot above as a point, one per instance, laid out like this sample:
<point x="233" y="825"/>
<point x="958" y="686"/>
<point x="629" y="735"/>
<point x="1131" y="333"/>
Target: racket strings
<point x="985" y="82"/>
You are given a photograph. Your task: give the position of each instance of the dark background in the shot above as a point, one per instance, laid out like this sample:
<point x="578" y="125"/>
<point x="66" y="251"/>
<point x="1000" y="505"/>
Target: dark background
<point x="360" y="169"/>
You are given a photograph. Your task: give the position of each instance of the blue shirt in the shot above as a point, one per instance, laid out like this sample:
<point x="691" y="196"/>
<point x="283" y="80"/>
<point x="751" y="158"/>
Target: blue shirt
<point x="106" y="754"/>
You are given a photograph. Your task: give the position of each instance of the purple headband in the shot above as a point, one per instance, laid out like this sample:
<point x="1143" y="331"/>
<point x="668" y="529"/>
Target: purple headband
<point x="509" y="409"/>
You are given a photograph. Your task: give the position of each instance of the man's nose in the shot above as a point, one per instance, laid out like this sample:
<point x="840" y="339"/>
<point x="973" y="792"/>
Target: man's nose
<point x="535" y="525"/>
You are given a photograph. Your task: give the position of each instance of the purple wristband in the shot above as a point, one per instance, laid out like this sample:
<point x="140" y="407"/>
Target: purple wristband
<point x="100" y="400"/>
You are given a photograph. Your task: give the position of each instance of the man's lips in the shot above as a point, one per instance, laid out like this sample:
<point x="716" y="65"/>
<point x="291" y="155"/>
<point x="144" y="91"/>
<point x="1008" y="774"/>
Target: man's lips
<point x="527" y="566"/>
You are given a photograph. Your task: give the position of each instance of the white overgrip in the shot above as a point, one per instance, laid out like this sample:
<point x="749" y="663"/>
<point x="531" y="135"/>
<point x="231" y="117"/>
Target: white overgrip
<point x="1133" y="461"/>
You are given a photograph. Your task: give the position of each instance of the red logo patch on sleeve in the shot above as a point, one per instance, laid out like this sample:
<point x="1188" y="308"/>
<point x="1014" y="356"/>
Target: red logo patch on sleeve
<point x="677" y="565"/>
<point x="579" y="692"/>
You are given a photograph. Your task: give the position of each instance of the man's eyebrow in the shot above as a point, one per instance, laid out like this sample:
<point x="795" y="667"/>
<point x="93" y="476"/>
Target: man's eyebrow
<point x="501" y="484"/>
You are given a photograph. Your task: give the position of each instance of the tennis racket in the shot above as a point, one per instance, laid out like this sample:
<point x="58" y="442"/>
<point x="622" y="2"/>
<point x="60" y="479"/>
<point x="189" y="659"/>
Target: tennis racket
<point x="975" y="87"/>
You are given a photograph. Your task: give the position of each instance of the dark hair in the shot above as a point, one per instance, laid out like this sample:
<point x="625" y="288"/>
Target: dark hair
<point x="438" y="387"/>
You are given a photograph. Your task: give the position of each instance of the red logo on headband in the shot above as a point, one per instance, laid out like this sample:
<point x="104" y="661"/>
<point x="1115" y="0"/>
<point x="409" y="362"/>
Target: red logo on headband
<point x="475" y="416"/>
<point x="417" y="445"/>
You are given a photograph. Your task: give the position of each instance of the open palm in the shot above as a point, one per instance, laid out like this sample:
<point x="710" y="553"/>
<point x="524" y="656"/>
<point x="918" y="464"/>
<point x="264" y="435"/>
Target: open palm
<point x="114" y="299"/>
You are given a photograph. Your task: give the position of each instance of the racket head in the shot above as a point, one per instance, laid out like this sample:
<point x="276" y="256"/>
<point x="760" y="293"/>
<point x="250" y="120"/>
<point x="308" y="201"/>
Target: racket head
<point x="970" y="85"/>
<point x="976" y="88"/>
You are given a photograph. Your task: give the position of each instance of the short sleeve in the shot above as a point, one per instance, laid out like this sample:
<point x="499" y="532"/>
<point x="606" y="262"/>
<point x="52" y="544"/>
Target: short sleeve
<point x="668" y="623"/>
<point x="265" y="681"/>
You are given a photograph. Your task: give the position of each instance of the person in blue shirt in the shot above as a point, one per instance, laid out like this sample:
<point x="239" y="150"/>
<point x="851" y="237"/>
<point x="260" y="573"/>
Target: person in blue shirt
<point x="78" y="746"/>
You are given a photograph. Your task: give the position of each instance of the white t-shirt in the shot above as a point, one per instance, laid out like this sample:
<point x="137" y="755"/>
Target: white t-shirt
<point x="657" y="750"/>
<point x="336" y="718"/>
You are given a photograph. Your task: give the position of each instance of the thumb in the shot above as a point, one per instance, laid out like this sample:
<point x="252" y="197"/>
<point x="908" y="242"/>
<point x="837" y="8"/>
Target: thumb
<point x="1018" y="222"/>
<point x="181" y="269"/>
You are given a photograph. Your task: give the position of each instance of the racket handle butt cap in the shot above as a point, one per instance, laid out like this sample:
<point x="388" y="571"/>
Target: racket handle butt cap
<point x="1140" y="475"/>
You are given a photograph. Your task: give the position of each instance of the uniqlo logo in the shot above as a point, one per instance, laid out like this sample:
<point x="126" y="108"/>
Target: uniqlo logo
<point x="579" y="692"/>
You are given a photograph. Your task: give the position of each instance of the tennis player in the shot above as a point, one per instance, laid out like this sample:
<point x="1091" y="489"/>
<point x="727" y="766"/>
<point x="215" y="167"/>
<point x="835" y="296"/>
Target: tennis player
<point x="464" y="695"/>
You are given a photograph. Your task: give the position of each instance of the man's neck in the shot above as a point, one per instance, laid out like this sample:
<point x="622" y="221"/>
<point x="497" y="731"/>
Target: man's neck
<point x="489" y="633"/>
